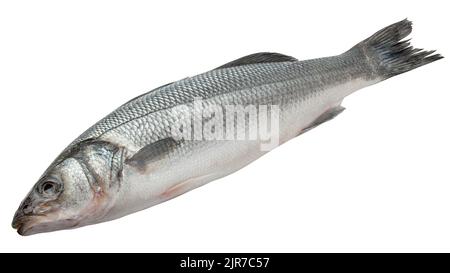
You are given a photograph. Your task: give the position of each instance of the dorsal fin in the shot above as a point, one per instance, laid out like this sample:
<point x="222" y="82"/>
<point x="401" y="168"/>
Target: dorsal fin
<point x="262" y="57"/>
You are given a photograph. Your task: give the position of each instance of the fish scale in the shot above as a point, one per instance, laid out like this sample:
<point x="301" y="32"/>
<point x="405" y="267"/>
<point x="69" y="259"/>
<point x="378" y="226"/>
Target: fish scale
<point x="227" y="80"/>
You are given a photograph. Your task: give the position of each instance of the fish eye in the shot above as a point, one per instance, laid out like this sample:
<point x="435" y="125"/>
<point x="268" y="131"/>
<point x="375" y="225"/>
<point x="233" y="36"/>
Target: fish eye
<point x="49" y="187"/>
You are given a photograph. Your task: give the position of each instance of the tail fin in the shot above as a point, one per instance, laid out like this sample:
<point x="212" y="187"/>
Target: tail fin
<point x="389" y="55"/>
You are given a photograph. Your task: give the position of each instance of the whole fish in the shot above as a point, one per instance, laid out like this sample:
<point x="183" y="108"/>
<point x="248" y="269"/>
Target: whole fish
<point x="162" y="144"/>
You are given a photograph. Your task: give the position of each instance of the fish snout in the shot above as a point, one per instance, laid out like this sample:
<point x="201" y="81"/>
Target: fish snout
<point x="22" y="215"/>
<point x="19" y="221"/>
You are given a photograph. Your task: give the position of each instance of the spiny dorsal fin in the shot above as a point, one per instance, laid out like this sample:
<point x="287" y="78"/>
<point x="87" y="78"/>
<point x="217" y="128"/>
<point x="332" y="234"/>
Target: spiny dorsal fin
<point x="262" y="57"/>
<point x="145" y="94"/>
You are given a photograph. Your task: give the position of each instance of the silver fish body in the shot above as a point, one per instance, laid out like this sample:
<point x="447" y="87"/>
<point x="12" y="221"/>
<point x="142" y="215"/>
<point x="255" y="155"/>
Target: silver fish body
<point x="130" y="160"/>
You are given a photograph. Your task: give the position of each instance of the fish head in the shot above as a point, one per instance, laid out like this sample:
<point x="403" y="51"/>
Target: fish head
<point x="77" y="189"/>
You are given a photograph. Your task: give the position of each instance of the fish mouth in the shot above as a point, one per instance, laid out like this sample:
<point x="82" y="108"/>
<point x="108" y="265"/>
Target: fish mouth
<point x="53" y="219"/>
<point x="22" y="230"/>
<point x="30" y="224"/>
<point x="23" y="224"/>
<point x="33" y="224"/>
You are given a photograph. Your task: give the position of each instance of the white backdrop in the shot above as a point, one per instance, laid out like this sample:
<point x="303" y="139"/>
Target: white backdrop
<point x="376" y="178"/>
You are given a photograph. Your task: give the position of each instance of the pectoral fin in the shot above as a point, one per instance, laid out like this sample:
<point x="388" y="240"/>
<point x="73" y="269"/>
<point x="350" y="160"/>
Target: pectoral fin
<point x="152" y="152"/>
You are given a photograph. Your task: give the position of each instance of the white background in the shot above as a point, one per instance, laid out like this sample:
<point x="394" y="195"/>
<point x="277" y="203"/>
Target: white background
<point x="374" y="179"/>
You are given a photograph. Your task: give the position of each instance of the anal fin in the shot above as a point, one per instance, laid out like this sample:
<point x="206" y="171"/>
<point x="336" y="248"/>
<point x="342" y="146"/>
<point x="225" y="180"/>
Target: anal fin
<point x="326" y="116"/>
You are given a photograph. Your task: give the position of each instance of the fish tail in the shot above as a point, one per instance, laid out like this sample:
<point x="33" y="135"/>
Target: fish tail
<point x="389" y="55"/>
